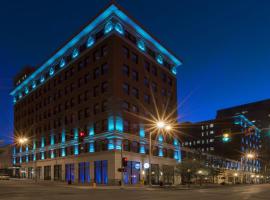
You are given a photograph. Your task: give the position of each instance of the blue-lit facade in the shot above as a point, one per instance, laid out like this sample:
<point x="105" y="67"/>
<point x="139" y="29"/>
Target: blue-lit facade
<point x="78" y="124"/>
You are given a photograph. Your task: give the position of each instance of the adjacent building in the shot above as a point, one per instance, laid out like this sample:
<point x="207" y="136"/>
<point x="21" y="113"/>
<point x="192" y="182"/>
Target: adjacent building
<point x="91" y="100"/>
<point x="234" y="142"/>
<point x="259" y="114"/>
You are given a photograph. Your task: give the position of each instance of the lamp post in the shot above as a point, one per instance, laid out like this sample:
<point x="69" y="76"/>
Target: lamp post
<point x="248" y="156"/>
<point x="22" y="141"/>
<point x="160" y="125"/>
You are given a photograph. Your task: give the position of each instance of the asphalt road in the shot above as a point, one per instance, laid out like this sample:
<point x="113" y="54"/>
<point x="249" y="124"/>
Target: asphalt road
<point x="21" y="190"/>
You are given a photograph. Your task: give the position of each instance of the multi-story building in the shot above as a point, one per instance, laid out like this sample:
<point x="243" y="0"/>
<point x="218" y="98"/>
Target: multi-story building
<point x="259" y="113"/>
<point x="232" y="138"/>
<point x="91" y="100"/>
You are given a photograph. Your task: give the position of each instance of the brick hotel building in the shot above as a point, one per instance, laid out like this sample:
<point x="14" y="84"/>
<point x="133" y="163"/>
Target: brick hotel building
<point x="83" y="106"/>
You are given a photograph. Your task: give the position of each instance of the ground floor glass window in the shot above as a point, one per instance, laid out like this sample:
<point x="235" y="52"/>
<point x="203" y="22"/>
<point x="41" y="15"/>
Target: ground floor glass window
<point x="101" y="171"/>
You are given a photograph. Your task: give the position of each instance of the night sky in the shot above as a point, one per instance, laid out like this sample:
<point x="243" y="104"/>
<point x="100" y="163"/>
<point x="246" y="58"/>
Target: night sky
<point x="224" y="45"/>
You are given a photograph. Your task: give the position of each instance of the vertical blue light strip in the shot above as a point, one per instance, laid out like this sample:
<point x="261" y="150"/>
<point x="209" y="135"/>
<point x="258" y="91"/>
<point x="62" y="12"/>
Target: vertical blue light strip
<point x="91" y="147"/>
<point x="63" y="152"/>
<point x="91" y="131"/>
<point x="111" y="144"/>
<point x="119" y="124"/>
<point x="142" y="149"/>
<point x="42" y="156"/>
<point x="52" y="139"/>
<point x="111" y="123"/>
<point x="42" y="142"/>
<point x="63" y="136"/>
<point x="142" y="132"/>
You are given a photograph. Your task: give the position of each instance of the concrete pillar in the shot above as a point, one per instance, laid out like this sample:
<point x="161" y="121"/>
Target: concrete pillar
<point x="52" y="172"/>
<point x="76" y="172"/>
<point x="63" y="172"/>
<point x="41" y="172"/>
<point x="92" y="173"/>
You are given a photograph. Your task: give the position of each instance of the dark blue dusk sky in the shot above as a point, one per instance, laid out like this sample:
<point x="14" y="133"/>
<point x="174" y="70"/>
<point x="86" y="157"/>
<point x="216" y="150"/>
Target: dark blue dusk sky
<point x="224" y="45"/>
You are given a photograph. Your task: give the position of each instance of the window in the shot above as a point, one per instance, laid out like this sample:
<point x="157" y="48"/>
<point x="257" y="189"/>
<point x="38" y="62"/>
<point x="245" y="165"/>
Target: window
<point x="96" y="91"/>
<point x="134" y="58"/>
<point x="126" y="88"/>
<point x="126" y="126"/>
<point x="125" y="51"/>
<point x="147" y="66"/>
<point x="81" y="65"/>
<point x="146" y="98"/>
<point x="84" y="172"/>
<point x="104" y="125"/>
<point x="80" y="114"/>
<point x="104" y="87"/>
<point x="163" y="92"/>
<point x="170" y="81"/>
<point x="163" y="77"/>
<point x="154" y="70"/>
<point x="97" y="127"/>
<point x="154" y="86"/>
<point x="146" y="82"/>
<point x="135" y="92"/>
<point x="86" y="95"/>
<point x="80" y="82"/>
<point x="96" y="73"/>
<point x="104" y="69"/>
<point x="69" y="172"/>
<point x="101" y="171"/>
<point x="80" y="98"/>
<point x="96" y="108"/>
<point x="104" y="106"/>
<point x="125" y="106"/>
<point x="104" y="50"/>
<point x="135" y="75"/>
<point x="87" y="77"/>
<point x="125" y="70"/>
<point x="134" y="109"/>
<point x="96" y="55"/>
<point x="86" y="112"/>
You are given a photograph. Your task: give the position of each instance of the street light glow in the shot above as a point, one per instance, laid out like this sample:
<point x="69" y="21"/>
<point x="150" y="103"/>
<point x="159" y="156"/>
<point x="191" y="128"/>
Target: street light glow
<point x="168" y="128"/>
<point x="250" y="155"/>
<point x="22" y="140"/>
<point x="160" y="124"/>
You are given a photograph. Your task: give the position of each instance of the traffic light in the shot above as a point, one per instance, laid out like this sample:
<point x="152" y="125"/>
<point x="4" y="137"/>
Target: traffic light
<point x="226" y="137"/>
<point x="82" y="134"/>
<point x="81" y="140"/>
<point x="124" y="161"/>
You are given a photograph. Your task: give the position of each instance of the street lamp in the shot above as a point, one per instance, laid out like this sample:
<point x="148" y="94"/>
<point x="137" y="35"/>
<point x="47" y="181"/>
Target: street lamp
<point x="250" y="155"/>
<point x="22" y="140"/>
<point x="160" y="125"/>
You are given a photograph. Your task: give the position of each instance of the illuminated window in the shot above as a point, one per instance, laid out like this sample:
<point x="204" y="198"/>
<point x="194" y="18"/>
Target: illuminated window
<point x="108" y="27"/>
<point x="26" y="90"/>
<point x="160" y="59"/>
<point x="34" y="84"/>
<point x="141" y="45"/>
<point x="75" y="53"/>
<point x="51" y="72"/>
<point x="119" y="28"/>
<point x="90" y="42"/>
<point x="62" y="62"/>
<point x="42" y="79"/>
<point x="174" y="70"/>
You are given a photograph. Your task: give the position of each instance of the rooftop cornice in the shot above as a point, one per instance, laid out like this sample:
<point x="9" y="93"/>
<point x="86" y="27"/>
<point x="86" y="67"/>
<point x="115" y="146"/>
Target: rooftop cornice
<point x="112" y="9"/>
